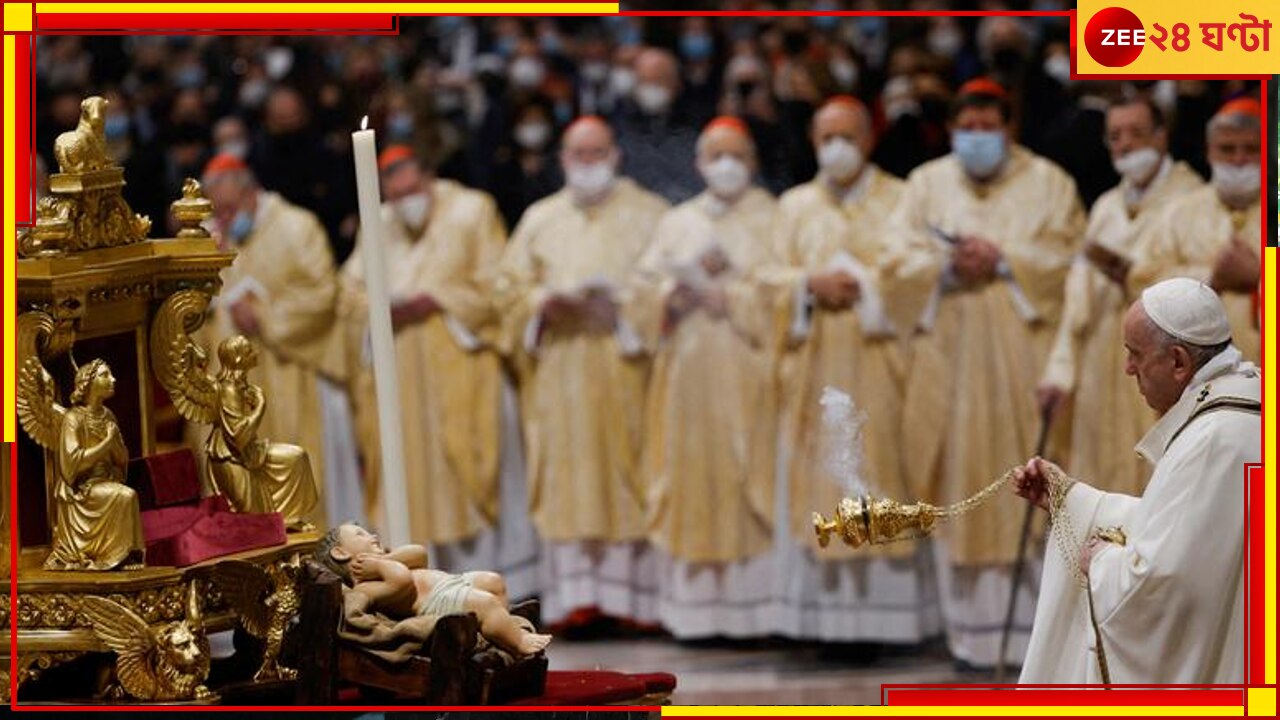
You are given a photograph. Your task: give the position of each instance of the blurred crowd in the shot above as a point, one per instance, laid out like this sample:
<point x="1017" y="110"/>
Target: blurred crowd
<point x="484" y="100"/>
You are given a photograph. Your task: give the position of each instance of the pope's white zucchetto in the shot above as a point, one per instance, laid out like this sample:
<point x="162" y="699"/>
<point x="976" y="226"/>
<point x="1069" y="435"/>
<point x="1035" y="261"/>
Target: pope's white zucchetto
<point x="1188" y="310"/>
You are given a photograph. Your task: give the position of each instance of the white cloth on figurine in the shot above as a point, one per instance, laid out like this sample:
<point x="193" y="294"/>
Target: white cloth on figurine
<point x="511" y="548"/>
<point x="449" y="596"/>
<point x="1169" y="603"/>
<point x="619" y="579"/>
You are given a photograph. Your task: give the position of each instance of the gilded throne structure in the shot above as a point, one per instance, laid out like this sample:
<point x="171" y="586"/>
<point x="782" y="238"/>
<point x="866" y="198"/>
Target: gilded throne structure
<point x="103" y="311"/>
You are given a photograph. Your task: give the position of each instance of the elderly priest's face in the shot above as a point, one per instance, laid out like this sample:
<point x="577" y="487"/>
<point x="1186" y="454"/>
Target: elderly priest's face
<point x="1162" y="367"/>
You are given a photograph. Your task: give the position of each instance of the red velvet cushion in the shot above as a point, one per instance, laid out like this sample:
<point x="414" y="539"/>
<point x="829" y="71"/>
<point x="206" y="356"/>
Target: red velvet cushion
<point x="589" y="687"/>
<point x="657" y="682"/>
<point x="187" y="534"/>
<point x="165" y="479"/>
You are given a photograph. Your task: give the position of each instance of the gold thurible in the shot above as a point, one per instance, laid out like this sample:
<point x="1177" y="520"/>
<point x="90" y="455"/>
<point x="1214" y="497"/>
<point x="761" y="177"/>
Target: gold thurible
<point x="866" y="520"/>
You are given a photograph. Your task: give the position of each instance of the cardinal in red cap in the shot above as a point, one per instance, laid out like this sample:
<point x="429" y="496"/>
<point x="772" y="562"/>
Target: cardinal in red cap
<point x="1087" y="364"/>
<point x="281" y="292"/>
<point x="1242" y="106"/>
<point x="1004" y="223"/>
<point x="1214" y="233"/>
<point x="439" y="236"/>
<point x="560" y="295"/>
<point x="726" y="157"/>
<point x="841" y="315"/>
<point x="707" y="249"/>
<point x="393" y="156"/>
<point x="231" y="185"/>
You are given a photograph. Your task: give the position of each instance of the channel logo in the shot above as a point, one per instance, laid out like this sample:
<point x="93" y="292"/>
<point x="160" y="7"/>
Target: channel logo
<point x="1114" y="37"/>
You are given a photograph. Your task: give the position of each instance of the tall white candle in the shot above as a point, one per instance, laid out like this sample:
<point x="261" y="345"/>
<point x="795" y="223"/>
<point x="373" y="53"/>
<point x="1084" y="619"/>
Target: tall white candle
<point x="395" y="510"/>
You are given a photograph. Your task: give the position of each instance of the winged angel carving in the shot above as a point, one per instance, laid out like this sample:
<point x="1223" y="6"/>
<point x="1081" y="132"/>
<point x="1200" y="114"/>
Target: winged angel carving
<point x="264" y="598"/>
<point x="94" y="516"/>
<point x="170" y="662"/>
<point x="255" y="474"/>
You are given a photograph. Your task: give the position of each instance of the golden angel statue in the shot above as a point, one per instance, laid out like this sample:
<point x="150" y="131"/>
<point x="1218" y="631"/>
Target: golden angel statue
<point x="255" y="474"/>
<point x="96" y="522"/>
<point x="161" y="664"/>
<point x="265" y="599"/>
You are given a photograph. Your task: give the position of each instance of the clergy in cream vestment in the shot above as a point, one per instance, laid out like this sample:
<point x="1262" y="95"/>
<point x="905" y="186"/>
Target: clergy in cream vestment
<point x="849" y="285"/>
<point x="1213" y="234"/>
<point x="439" y="238"/>
<point x="709" y="430"/>
<point x="563" y="290"/>
<point x="1086" y="366"/>
<point x="1157" y="590"/>
<point x="282" y="292"/>
<point x="1006" y="223"/>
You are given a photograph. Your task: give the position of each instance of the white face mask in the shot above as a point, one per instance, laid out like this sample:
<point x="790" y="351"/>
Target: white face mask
<point x="235" y="148"/>
<point x="412" y="209"/>
<point x="840" y="159"/>
<point x="945" y="42"/>
<point x="589" y="181"/>
<point x="726" y="176"/>
<point x="594" y="72"/>
<point x="1058" y="67"/>
<point x="527" y="73"/>
<point x="652" y="98"/>
<point x="844" y="72"/>
<point x="1237" y="182"/>
<point x="1137" y="166"/>
<point x="622" y="80"/>
<point x="533" y="135"/>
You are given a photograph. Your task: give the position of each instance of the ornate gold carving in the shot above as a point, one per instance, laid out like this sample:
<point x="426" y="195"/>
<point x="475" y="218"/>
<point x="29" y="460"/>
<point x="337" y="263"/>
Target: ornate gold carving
<point x="264" y="598"/>
<point x="84" y="149"/>
<point x="865" y="520"/>
<point x="53" y="229"/>
<point x="192" y="210"/>
<point x="254" y="474"/>
<point x="85" y="208"/>
<point x="31" y="666"/>
<point x="95" y="523"/>
<point x="166" y="663"/>
<point x="38" y="410"/>
<point x="178" y="362"/>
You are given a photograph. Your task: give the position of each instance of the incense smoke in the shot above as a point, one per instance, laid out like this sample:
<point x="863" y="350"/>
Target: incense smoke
<point x="842" y="440"/>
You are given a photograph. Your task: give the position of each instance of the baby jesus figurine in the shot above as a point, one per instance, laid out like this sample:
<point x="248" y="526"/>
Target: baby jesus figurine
<point x="399" y="584"/>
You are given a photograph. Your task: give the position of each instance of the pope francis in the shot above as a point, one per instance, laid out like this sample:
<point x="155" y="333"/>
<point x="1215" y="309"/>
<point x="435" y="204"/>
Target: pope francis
<point x="1158" y="588"/>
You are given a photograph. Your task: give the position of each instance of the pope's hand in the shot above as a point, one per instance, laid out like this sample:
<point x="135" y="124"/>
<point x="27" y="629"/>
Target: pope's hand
<point x="1086" y="555"/>
<point x="1031" y="481"/>
<point x="835" y="289"/>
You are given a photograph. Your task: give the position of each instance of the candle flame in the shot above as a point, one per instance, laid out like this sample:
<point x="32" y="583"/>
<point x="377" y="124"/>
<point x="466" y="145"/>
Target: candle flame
<point x="364" y="123"/>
